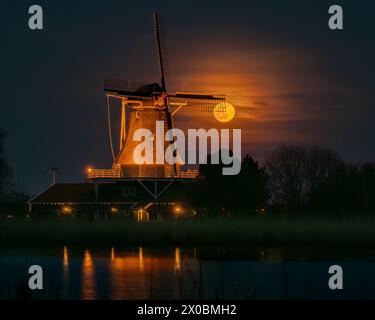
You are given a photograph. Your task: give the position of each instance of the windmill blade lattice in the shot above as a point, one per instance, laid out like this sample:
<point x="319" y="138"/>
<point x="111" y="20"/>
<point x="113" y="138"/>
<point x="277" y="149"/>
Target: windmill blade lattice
<point x="127" y="88"/>
<point x="197" y="101"/>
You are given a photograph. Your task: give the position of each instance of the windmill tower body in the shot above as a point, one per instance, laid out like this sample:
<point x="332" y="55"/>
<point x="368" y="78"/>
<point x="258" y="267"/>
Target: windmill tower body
<point x="143" y="117"/>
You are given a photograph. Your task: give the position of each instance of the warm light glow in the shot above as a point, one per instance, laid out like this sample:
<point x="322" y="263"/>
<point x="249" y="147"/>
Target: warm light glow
<point x="140" y="258"/>
<point x="262" y="211"/>
<point x="177" y="210"/>
<point x="114" y="210"/>
<point x="66" y="258"/>
<point x="66" y="266"/>
<point x="131" y="275"/>
<point x="67" y="210"/>
<point x="139" y="215"/>
<point x="88" y="277"/>
<point x="177" y="259"/>
<point x="89" y="170"/>
<point x="224" y="112"/>
<point x="142" y="215"/>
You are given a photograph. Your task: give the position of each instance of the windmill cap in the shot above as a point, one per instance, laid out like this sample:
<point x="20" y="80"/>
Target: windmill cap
<point x="150" y="88"/>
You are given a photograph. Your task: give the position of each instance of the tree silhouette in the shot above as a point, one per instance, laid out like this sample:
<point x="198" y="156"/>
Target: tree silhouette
<point x="306" y="177"/>
<point x="5" y="170"/>
<point x="314" y="179"/>
<point x="231" y="195"/>
<point x="322" y="169"/>
<point x="351" y="191"/>
<point x="251" y="186"/>
<point x="287" y="170"/>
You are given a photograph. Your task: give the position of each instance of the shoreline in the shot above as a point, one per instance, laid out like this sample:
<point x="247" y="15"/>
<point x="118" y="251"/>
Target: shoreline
<point x="215" y="232"/>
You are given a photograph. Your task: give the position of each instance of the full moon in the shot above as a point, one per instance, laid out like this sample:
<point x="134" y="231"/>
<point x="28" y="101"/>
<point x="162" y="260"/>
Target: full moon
<point x="225" y="115"/>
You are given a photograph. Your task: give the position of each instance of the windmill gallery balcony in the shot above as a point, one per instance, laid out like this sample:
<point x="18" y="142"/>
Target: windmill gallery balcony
<point x="141" y="172"/>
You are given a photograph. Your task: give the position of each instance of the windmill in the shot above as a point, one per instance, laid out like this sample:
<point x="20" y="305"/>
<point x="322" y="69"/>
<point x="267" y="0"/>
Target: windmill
<point x="53" y="171"/>
<point x="142" y="105"/>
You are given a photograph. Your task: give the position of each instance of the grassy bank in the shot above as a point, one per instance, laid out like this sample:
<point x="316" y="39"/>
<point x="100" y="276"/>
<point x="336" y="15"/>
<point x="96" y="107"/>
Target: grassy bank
<point x="243" y="232"/>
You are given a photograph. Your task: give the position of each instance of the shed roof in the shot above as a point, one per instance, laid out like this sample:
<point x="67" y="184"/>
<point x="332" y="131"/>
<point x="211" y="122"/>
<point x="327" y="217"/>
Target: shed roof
<point x="85" y="193"/>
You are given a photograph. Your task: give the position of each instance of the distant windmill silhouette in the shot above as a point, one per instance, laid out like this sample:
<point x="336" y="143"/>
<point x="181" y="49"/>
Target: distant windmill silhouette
<point x="53" y="171"/>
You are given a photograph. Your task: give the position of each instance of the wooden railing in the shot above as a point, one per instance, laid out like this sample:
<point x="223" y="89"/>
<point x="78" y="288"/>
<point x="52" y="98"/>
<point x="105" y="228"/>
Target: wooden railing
<point x="104" y="173"/>
<point x="140" y="172"/>
<point x="188" y="174"/>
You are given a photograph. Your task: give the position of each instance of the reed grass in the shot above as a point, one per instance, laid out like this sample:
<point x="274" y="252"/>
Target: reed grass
<point x="239" y="232"/>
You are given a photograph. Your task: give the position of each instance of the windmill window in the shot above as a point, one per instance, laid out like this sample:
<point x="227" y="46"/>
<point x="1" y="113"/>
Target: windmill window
<point x="129" y="191"/>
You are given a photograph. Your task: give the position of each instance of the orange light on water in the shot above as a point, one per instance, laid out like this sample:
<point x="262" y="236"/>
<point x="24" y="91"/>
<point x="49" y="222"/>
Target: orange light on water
<point x="66" y="265"/>
<point x="88" y="277"/>
<point x="140" y="257"/>
<point x="177" y="259"/>
<point x="66" y="257"/>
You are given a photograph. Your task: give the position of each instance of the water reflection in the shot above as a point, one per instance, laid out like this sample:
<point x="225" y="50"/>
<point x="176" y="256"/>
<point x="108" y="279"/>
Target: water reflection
<point x="131" y="274"/>
<point x="140" y="258"/>
<point x="66" y="263"/>
<point x="126" y="272"/>
<point x="174" y="273"/>
<point x="177" y="259"/>
<point x="88" y="286"/>
<point x="66" y="283"/>
<point x="112" y="253"/>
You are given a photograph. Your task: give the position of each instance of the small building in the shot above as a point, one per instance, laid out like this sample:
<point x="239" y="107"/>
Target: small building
<point x="106" y="200"/>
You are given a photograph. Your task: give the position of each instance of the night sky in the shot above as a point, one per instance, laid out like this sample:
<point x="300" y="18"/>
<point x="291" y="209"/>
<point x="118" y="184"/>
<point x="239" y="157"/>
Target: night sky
<point x="291" y="78"/>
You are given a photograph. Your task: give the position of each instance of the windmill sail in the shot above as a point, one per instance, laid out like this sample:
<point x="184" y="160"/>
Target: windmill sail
<point x="130" y="88"/>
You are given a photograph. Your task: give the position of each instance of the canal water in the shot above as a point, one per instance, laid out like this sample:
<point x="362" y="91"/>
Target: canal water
<point x="187" y="273"/>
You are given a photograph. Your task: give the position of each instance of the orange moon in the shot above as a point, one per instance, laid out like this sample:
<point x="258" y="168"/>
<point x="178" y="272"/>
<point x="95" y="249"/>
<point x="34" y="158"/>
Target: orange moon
<point x="224" y="115"/>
